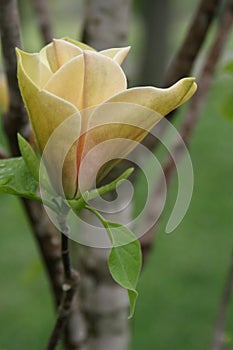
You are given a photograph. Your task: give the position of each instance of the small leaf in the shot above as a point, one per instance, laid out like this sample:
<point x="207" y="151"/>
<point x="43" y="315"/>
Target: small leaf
<point x="125" y="259"/>
<point x="15" y="178"/>
<point x="111" y="186"/>
<point x="119" y="235"/>
<point x="133" y="294"/>
<point x="29" y="157"/>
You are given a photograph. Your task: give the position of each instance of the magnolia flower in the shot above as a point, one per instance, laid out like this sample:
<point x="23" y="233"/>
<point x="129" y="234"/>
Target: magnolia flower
<point x="70" y="79"/>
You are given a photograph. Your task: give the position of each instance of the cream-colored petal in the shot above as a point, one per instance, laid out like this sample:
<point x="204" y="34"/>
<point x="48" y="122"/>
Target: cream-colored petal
<point x="65" y="51"/>
<point x="48" y="57"/>
<point x="79" y="44"/>
<point x="67" y="82"/>
<point x="163" y="101"/>
<point x="138" y="108"/>
<point x="46" y="113"/>
<point x="103" y="78"/>
<point x="44" y="57"/>
<point x="35" y="69"/>
<point x="113" y="131"/>
<point x="58" y="53"/>
<point x="117" y="54"/>
<point x="116" y="126"/>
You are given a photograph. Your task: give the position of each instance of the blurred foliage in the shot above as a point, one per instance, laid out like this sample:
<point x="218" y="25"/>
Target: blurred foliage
<point x="226" y="105"/>
<point x="182" y="283"/>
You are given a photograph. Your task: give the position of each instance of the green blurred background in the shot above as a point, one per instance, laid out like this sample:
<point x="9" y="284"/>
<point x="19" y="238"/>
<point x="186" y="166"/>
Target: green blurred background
<point x="181" y="285"/>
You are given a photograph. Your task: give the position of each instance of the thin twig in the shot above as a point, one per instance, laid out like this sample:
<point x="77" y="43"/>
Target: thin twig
<point x="43" y="18"/>
<point x="191" y="117"/>
<point x="62" y="317"/>
<point x="65" y="248"/>
<point x="183" y="62"/>
<point x="65" y="256"/>
<point x="69" y="288"/>
<point x="218" y="338"/>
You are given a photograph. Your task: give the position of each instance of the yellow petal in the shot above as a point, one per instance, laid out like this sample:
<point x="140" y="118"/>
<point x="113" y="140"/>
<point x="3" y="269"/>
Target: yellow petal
<point x="132" y="105"/>
<point x="103" y="78"/>
<point x="117" y="54"/>
<point x="46" y="113"/>
<point x="36" y="70"/>
<point x="59" y="52"/>
<point x="60" y="155"/>
<point x="113" y="130"/>
<point x="116" y="126"/>
<point x="67" y="82"/>
<point x="163" y="101"/>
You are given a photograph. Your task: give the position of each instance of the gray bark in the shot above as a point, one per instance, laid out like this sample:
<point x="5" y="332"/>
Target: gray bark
<point x="103" y="302"/>
<point x="100" y="319"/>
<point x="106" y="23"/>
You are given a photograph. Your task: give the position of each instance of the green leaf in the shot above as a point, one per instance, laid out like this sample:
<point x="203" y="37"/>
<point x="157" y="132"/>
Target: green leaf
<point x="111" y="186"/>
<point x="29" y="156"/>
<point x="125" y="259"/>
<point x="133" y="295"/>
<point x="35" y="166"/>
<point x="15" y="178"/>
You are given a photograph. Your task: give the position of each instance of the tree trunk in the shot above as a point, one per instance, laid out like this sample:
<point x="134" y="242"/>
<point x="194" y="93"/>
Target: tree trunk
<point x="156" y="15"/>
<point x="106" y="23"/>
<point x="100" y="319"/>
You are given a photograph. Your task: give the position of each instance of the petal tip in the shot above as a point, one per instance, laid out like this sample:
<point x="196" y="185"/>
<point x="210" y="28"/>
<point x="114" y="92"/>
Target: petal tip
<point x="191" y="86"/>
<point x="18" y="52"/>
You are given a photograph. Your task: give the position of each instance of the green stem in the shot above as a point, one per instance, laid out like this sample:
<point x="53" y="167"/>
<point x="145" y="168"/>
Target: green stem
<point x="103" y="221"/>
<point x="98" y="215"/>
